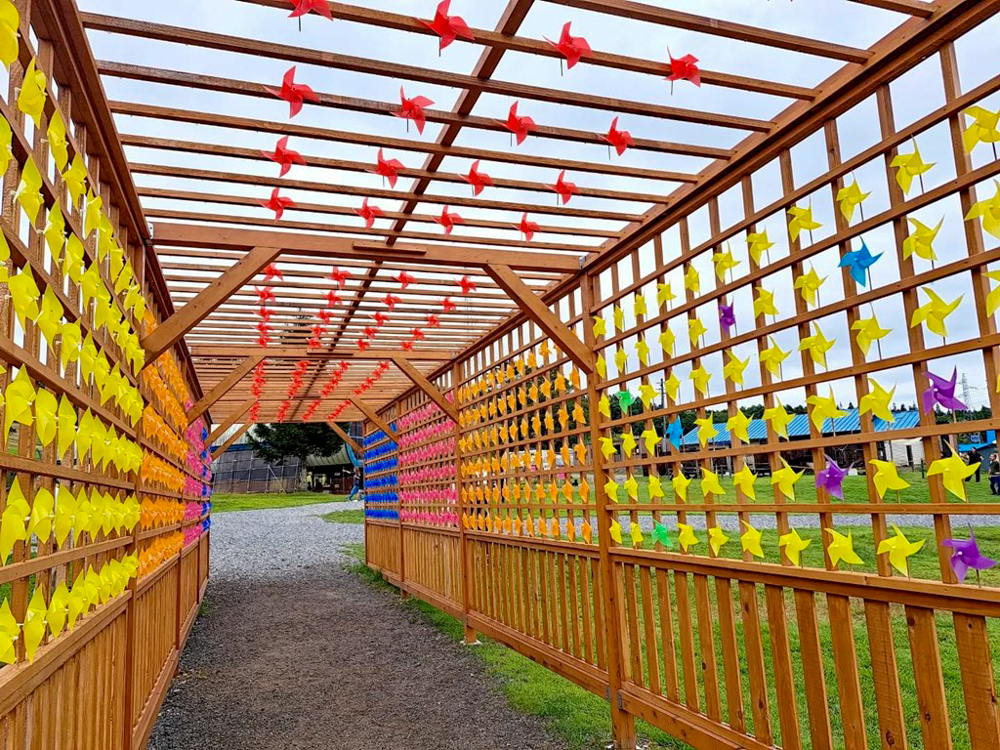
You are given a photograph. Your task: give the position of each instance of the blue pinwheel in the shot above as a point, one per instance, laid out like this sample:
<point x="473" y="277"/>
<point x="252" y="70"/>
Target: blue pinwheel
<point x="859" y="261"/>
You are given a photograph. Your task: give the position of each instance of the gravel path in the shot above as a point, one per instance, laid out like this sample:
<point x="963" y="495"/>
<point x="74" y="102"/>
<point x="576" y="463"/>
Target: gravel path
<point x="295" y="651"/>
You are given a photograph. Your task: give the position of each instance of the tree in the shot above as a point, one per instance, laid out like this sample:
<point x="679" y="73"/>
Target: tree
<point x="278" y="441"/>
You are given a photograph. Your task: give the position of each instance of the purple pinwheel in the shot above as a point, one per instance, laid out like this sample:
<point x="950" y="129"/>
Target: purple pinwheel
<point x="727" y="317"/>
<point x="832" y="478"/>
<point x="967" y="555"/>
<point x="941" y="392"/>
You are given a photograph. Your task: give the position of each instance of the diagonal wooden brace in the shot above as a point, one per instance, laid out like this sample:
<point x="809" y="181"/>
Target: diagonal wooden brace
<point x="347" y="438"/>
<point x="230" y="420"/>
<point x="375" y="418"/>
<point x="233" y="438"/>
<point x="224" y="386"/>
<point x="426" y="386"/>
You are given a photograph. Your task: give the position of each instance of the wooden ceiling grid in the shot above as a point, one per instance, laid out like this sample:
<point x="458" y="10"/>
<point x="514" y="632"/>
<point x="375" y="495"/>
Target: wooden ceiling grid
<point x="207" y="219"/>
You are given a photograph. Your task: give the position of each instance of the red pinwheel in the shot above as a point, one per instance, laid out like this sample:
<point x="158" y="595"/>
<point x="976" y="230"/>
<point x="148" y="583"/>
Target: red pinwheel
<point x="263" y="312"/>
<point x="264" y="294"/>
<point x="448" y="27"/>
<point x="683" y="69"/>
<point x="284" y="156"/>
<point x="478" y="179"/>
<point x="370" y="332"/>
<point x="325" y="315"/>
<point x="571" y="47"/>
<point x="407" y="345"/>
<point x="413" y="109"/>
<point x="340" y="276"/>
<point x="467" y="284"/>
<point x="519" y="126"/>
<point x="261" y="327"/>
<point x="383" y="366"/>
<point x="363" y="344"/>
<point x="273" y="272"/>
<point x="433" y="321"/>
<point x="566" y="190"/>
<point x="448" y="306"/>
<point x="263" y="340"/>
<point x="405" y="279"/>
<point x="391" y="301"/>
<point x="448" y="220"/>
<point x="368" y="213"/>
<point x="332" y="298"/>
<point x="278" y="204"/>
<point x="387" y="168"/>
<point x="620" y="139"/>
<point x="293" y="93"/>
<point x="302" y="7"/>
<point x="527" y="228"/>
<point x="380" y="319"/>
<point x="417" y="334"/>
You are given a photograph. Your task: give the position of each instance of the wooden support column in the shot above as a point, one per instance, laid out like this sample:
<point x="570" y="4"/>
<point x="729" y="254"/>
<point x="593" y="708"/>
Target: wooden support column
<point x="230" y="421"/>
<point x="347" y="438"/>
<point x="207" y="300"/>
<point x="464" y="563"/>
<point x="532" y="306"/>
<point x="426" y="386"/>
<point x="375" y="418"/>
<point x="226" y="445"/>
<point x="224" y="386"/>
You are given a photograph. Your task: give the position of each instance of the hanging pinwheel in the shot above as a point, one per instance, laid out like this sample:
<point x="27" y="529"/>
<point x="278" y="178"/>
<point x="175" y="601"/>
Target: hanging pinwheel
<point x="294" y="93"/>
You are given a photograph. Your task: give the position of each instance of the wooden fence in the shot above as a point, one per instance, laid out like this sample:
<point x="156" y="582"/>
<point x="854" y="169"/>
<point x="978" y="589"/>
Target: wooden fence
<point x="103" y="507"/>
<point x="556" y="516"/>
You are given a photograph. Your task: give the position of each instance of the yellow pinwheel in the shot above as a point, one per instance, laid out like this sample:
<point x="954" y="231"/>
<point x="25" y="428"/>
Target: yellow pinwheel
<point x="868" y="330"/>
<point x="764" y="304"/>
<point x="632" y="487"/>
<point x="758" y="244"/>
<point x="899" y="549"/>
<point x="672" y="386"/>
<point x="604" y="406"/>
<point x="49" y="320"/>
<point x="667" y="340"/>
<point x="43" y="511"/>
<point x="716" y="539"/>
<point x="934" y="313"/>
<point x="808" y="285"/>
<point x="733" y="369"/>
<point x="779" y="419"/>
<point x="34" y="624"/>
<point x="877" y="402"/>
<point x="706" y="430"/>
<point x="32" y="98"/>
<point x="739" y="426"/>
<point x="801" y="220"/>
<point x="642" y="352"/>
<point x="680" y="483"/>
<point x="600" y="327"/>
<point x="744" y="480"/>
<point x="793" y="545"/>
<point x="686" y="536"/>
<point x="909" y="166"/>
<point x="75" y="178"/>
<point x="692" y="281"/>
<point x="45" y="416"/>
<point x="849" y="198"/>
<point x="785" y="478"/>
<point x="29" y="190"/>
<point x="664" y="295"/>
<point x="655" y="486"/>
<point x="636" y="535"/>
<point x="700" y="377"/>
<point x="19" y="398"/>
<point x="724" y="262"/>
<point x="608" y="448"/>
<point x="983" y="128"/>
<point x="824" y="408"/>
<point x="601" y="366"/>
<point x="646" y="394"/>
<point x="921" y="240"/>
<point x="58" y="145"/>
<point x="841" y="548"/>
<point x="651" y="440"/>
<point x="24" y="294"/>
<point x="887" y="477"/>
<point x="750" y="540"/>
<point x="989" y="211"/>
<point x="616" y="531"/>
<point x="710" y="483"/>
<point x="817" y="345"/>
<point x="619" y="317"/>
<point x="772" y="357"/>
<point x="13" y="521"/>
<point x="621" y="360"/>
<point x="611" y="490"/>
<point x="696" y="329"/>
<point x="628" y="443"/>
<point x="10" y="22"/>
<point x="638" y="305"/>
<point x="953" y="472"/>
<point x="72" y="264"/>
<point x="65" y="514"/>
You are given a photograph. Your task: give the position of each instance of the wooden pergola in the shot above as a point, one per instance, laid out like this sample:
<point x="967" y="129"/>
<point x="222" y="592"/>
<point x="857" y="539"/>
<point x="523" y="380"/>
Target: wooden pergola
<point x="212" y="238"/>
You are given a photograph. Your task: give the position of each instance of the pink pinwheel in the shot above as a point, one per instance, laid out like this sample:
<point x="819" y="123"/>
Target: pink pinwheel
<point x="527" y="228"/>
<point x="477" y="179"/>
<point x="565" y="190"/>
<point x="448" y="220"/>
<point x="941" y="392"/>
<point x="620" y="139"/>
<point x="448" y="27"/>
<point x="387" y="168"/>
<point x="571" y="47"/>
<point x="519" y="126"/>
<point x="284" y="156"/>
<point x="277" y="203"/>
<point x="832" y="478"/>
<point x="368" y="213"/>
<point x="684" y="69"/>
<point x="413" y="109"/>
<point x="302" y="7"/>
<point x="727" y="316"/>
<point x="966" y="556"/>
<point x="294" y="93"/>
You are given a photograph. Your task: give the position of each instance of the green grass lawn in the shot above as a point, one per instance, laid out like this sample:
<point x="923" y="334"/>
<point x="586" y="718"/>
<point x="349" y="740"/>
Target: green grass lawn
<point x="344" y="516"/>
<point x="228" y="503"/>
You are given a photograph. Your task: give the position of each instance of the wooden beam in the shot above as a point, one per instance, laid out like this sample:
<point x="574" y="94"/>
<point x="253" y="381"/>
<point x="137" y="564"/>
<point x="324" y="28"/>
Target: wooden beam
<point x="224" y="386"/>
<point x="301" y="352"/>
<point x="544" y="318"/>
<point x="231" y="441"/>
<point x="375" y="418"/>
<point x="912" y="7"/>
<point x="230" y="420"/>
<point x="182" y="321"/>
<point x="324" y="246"/>
<point x="426" y="386"/>
<point x="347" y="438"/>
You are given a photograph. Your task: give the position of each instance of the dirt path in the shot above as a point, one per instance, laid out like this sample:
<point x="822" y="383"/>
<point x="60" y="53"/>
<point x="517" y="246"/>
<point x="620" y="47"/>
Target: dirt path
<point x="313" y="658"/>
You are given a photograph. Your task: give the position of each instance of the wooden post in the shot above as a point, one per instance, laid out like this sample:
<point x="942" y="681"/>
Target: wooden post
<point x="463" y="556"/>
<point x="622" y="722"/>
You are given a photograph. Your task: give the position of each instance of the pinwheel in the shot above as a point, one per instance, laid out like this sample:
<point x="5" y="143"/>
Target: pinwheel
<point x="801" y="219"/>
<point x="661" y="535"/>
<point x="965" y="557"/>
<point x="686" y="536"/>
<point x="724" y="262"/>
<point x="989" y="211"/>
<point x="625" y="402"/>
<point x="793" y="545"/>
<point x="772" y="357"/>
<point x="413" y="110"/>
<point x="387" y="169"/>
<point x="982" y="129"/>
<point x="672" y="385"/>
<point x="849" y="198"/>
<point x="19" y="397"/>
<point x="899" y="549"/>
<point x="55" y="232"/>
<point x="909" y="166"/>
<point x="527" y="228"/>
<point x="448" y="220"/>
<point x="277" y="203"/>
<point x="518" y="126"/>
<point x="700" y="377"/>
<point x="887" y="477"/>
<point x="683" y="69"/>
<point x="841" y="548"/>
<point x="565" y="190"/>
<point x="667" y="340"/>
<point x="56" y="134"/>
<point x="45" y="416"/>
<point x="953" y="472"/>
<point x="642" y="352"/>
<point x="823" y="408"/>
<point x="706" y="430"/>
<point x="817" y="345"/>
<point x="34" y="624"/>
<point x="296" y="94"/>
<point x="739" y="426"/>
<point x="744" y="481"/>
<point x="664" y="295"/>
<point x="808" y="285"/>
<point x="785" y="478"/>
<point x="10" y="23"/>
<point x="727" y="316"/>
<point x="75" y="178"/>
<point x="758" y="244"/>
<point x="733" y="369"/>
<point x="934" y="313"/>
<point x="620" y="140"/>
<point x="448" y="28"/>
<point x="368" y="213"/>
<point x="921" y="240"/>
<point x="467" y="284"/>
<point x="28" y="192"/>
<point x="675" y="432"/>
<point x="31" y="100"/>
<point x="6" y="134"/>
<point x="764" y="304"/>
<point x="692" y="281"/>
<point x="13" y="521"/>
<point x="638" y="305"/>
<point x="696" y="329"/>
<point x="877" y="402"/>
<point x="304" y="7"/>
<point x="632" y="488"/>
<point x="710" y="484"/>
<point x="716" y="539"/>
<point x="573" y="48"/>
<point x="283" y="156"/>
<point x="831" y="478"/>
<point x="49" y="320"/>
<point x="868" y="330"/>
<point x="859" y="261"/>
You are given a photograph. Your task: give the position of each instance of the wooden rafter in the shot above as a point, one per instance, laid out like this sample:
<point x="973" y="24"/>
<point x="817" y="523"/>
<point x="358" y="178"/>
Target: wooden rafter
<point x="223" y="351"/>
<point x="346" y="438"/>
<point x="233" y="418"/>
<point x="407" y="368"/>
<point x="376" y="420"/>
<point x="218" y="451"/>
<point x="223" y="387"/>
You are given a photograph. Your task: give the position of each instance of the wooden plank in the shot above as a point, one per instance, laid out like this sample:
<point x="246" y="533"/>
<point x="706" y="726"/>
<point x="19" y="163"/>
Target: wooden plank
<point x="224" y="386"/>
<point x="931" y="699"/>
<point x="784" y="677"/>
<point x="845" y="662"/>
